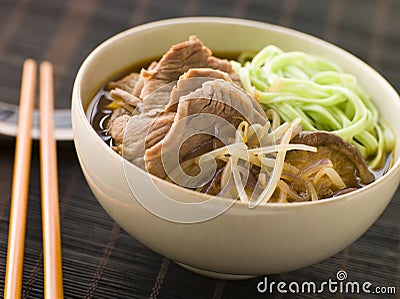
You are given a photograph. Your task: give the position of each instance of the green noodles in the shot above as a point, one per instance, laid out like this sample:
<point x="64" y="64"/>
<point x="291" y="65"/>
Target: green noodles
<point x="299" y="85"/>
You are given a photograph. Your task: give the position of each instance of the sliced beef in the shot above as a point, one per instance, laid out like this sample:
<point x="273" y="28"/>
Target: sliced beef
<point x="178" y="60"/>
<point x="133" y="145"/>
<point x="192" y="80"/>
<point x="156" y="101"/>
<point x="206" y="72"/>
<point x="139" y="85"/>
<point x="119" y="94"/>
<point x="217" y="97"/>
<point x="188" y="82"/>
<point x="117" y="113"/>
<point x="121" y="91"/>
<point x="117" y="128"/>
<point x="223" y="99"/>
<point x="127" y="83"/>
<point x="162" y="119"/>
<point x="162" y="104"/>
<point x="159" y="128"/>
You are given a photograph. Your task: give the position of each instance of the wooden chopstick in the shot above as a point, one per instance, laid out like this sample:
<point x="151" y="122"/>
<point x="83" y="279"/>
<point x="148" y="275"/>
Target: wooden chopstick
<point x="53" y="282"/>
<point x="19" y="193"/>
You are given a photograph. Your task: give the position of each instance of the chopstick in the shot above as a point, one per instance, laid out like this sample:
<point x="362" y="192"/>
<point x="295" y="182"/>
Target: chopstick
<point x="19" y="193"/>
<point x="53" y="286"/>
<point x="53" y="282"/>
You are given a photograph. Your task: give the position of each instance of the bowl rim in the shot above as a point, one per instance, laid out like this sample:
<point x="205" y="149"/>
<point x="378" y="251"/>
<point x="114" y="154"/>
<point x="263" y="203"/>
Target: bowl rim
<point x="76" y="99"/>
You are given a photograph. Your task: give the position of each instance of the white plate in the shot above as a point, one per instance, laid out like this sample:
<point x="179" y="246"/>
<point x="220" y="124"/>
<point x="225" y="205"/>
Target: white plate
<point x="9" y="122"/>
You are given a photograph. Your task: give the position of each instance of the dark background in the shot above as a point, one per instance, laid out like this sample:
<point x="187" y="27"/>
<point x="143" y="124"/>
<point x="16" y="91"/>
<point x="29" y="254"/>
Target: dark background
<point x="99" y="259"/>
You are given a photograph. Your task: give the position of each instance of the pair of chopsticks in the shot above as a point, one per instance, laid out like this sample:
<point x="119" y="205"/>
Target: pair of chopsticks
<point x="53" y="287"/>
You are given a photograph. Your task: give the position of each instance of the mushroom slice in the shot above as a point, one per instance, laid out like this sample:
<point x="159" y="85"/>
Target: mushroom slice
<point x="346" y="167"/>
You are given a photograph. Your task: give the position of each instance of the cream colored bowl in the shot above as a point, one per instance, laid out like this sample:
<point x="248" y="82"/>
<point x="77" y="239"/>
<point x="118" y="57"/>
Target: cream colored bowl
<point x="241" y="242"/>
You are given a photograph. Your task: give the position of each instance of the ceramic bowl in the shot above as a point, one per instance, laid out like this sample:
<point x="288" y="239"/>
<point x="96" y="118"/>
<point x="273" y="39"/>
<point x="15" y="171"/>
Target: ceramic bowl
<point x="241" y="242"/>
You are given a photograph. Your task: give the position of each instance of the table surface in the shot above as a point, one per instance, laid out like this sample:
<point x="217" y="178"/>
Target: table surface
<point x="99" y="259"/>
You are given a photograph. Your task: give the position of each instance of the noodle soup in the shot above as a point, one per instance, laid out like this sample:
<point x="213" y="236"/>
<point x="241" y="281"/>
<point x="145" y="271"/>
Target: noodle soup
<point x="304" y="130"/>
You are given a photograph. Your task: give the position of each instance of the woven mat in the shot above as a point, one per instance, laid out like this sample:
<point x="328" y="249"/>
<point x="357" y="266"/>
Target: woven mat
<point x="99" y="259"/>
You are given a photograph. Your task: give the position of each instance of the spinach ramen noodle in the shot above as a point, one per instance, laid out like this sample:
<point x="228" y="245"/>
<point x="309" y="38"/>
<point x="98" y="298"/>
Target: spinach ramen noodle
<point x="272" y="126"/>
